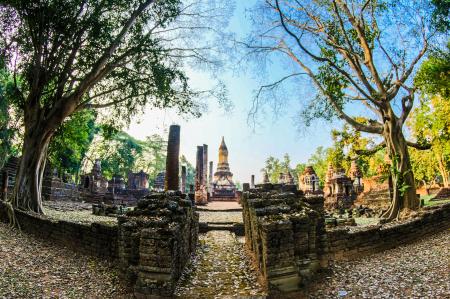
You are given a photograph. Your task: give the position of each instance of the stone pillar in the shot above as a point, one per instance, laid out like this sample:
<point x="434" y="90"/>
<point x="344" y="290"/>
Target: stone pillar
<point x="199" y="168"/>
<point x="210" y="180"/>
<point x="205" y="165"/>
<point x="172" y="161"/>
<point x="4" y="185"/>
<point x="183" y="179"/>
<point x="252" y="182"/>
<point x="205" y="171"/>
<point x="200" y="192"/>
<point x="266" y="178"/>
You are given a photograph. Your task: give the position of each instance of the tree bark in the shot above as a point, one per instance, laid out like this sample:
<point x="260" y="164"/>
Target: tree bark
<point x="404" y="189"/>
<point x="4" y="186"/>
<point x="28" y="186"/>
<point x="443" y="171"/>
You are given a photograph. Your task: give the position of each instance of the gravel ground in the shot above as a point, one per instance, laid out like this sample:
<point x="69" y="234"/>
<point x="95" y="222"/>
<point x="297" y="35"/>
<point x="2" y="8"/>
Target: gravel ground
<point x="75" y="212"/>
<point x="220" y="269"/>
<point x="416" y="270"/>
<point x="35" y="268"/>
<point x="235" y="217"/>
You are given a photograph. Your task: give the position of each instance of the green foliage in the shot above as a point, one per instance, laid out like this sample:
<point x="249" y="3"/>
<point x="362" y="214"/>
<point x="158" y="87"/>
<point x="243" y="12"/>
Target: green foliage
<point x="273" y="167"/>
<point x="424" y="166"/>
<point x="319" y="160"/>
<point x="433" y="77"/>
<point x="441" y="15"/>
<point x="399" y="176"/>
<point x="298" y="170"/>
<point x="10" y="120"/>
<point x="430" y="121"/>
<point x="71" y="142"/>
<point x="107" y="53"/>
<point x="190" y="172"/>
<point x="152" y="158"/>
<point x="334" y="86"/>
<point x="120" y="154"/>
<point x="347" y="143"/>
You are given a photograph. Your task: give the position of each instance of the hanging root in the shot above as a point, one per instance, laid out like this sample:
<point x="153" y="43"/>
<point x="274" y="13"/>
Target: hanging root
<point x="11" y="215"/>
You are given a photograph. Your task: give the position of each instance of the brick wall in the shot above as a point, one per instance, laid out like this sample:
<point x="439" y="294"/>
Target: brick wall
<point x="343" y="243"/>
<point x="156" y="241"/>
<point x="284" y="231"/>
<point x="153" y="243"/>
<point x="53" y="188"/>
<point x="94" y="239"/>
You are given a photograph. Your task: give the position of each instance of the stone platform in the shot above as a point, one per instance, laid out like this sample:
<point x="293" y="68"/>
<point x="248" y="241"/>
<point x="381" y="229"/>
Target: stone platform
<point x="221" y="206"/>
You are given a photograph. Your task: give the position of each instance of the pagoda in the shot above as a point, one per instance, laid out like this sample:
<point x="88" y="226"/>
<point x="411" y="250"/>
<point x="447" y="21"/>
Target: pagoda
<point x="223" y="187"/>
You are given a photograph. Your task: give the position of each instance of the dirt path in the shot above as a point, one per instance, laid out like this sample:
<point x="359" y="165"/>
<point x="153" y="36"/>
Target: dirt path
<point x="220" y="269"/>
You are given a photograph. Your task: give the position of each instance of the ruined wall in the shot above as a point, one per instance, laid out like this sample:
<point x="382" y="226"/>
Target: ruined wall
<point x="53" y="188"/>
<point x="94" y="239"/>
<point x="156" y="241"/>
<point x="346" y="243"/>
<point x="284" y="233"/>
<point x="153" y="243"/>
<point x="11" y="168"/>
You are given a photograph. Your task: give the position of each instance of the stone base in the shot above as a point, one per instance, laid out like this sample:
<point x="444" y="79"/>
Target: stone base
<point x="224" y="199"/>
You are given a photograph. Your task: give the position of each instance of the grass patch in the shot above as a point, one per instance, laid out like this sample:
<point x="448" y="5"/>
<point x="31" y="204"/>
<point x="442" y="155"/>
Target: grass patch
<point x="429" y="202"/>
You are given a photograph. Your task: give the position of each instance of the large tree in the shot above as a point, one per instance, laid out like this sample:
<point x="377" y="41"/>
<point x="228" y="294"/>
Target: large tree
<point x="70" y="55"/>
<point x="360" y="56"/>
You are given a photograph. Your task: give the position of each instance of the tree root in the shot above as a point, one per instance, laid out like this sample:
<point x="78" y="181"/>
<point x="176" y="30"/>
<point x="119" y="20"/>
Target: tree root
<point x="11" y="215"/>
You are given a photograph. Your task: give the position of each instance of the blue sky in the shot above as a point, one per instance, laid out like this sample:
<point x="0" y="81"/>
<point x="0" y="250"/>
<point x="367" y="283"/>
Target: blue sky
<point x="248" y="146"/>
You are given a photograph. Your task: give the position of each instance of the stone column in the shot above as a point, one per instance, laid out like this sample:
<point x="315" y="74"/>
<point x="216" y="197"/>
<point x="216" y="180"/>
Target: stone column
<point x="210" y="177"/>
<point x="252" y="183"/>
<point x="205" y="172"/>
<point x="199" y="168"/>
<point x="183" y="178"/>
<point x="172" y="161"/>
<point x="266" y="178"/>
<point x="200" y="192"/>
<point x="205" y="166"/>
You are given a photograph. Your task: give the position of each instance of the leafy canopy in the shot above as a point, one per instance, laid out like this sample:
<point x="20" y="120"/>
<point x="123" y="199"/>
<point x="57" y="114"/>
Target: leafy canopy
<point x="77" y="54"/>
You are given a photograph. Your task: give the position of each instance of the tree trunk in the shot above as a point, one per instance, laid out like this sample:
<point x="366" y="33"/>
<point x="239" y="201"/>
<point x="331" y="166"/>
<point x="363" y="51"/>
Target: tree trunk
<point x="443" y="171"/>
<point x="28" y="186"/>
<point x="5" y="186"/>
<point x="404" y="188"/>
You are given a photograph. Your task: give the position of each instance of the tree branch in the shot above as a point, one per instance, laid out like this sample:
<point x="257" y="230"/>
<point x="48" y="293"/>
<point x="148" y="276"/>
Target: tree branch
<point x="370" y="152"/>
<point x="365" y="46"/>
<point x="376" y="128"/>
<point x="418" y="146"/>
<point x="318" y="58"/>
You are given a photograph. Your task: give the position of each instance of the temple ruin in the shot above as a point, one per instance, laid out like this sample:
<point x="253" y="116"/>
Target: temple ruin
<point x="341" y="191"/>
<point x="309" y="182"/>
<point x="223" y="187"/>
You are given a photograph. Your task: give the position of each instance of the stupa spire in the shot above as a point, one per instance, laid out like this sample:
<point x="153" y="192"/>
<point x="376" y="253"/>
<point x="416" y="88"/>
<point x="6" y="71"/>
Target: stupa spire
<point x="223" y="152"/>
